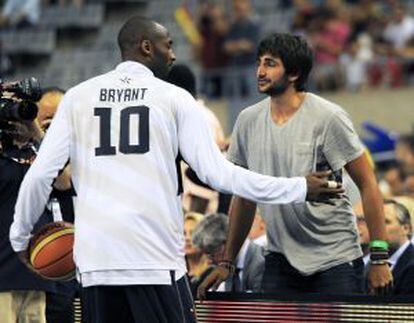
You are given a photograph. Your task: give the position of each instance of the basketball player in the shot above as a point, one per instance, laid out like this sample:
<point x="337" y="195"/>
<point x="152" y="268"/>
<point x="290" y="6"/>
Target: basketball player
<point x="312" y="247"/>
<point x="122" y="132"/>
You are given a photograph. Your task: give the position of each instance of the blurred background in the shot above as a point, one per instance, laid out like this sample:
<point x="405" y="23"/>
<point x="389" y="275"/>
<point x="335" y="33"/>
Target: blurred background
<point x="364" y="51"/>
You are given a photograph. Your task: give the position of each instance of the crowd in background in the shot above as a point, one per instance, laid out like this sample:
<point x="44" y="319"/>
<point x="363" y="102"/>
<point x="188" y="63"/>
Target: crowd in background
<point x="357" y="43"/>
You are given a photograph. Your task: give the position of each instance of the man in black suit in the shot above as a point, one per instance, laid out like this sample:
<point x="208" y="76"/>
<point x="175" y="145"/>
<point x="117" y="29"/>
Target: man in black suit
<point x="399" y="230"/>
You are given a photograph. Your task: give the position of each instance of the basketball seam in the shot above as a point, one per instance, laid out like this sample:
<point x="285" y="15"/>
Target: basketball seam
<point x="35" y="251"/>
<point x="56" y="260"/>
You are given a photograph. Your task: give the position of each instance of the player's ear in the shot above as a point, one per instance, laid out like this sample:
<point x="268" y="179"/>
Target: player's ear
<point x="146" y="47"/>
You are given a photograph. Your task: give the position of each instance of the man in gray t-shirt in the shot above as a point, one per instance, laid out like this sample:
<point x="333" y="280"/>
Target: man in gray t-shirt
<point x="313" y="246"/>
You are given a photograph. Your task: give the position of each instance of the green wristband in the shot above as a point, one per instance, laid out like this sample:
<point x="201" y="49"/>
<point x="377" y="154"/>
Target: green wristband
<point x="379" y="244"/>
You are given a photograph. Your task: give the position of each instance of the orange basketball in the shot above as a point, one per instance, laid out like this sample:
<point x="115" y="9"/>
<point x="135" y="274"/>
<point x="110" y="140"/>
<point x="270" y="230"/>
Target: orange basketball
<point x="51" y="251"/>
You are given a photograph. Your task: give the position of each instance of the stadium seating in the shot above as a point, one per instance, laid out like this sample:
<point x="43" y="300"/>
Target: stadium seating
<point x="90" y="16"/>
<point x="28" y="41"/>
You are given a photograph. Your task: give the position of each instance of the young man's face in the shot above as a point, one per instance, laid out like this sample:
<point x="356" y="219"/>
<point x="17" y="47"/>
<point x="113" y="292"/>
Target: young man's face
<point x="271" y="76"/>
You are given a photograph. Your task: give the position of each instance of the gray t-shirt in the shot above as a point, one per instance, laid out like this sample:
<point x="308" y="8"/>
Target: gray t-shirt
<point x="312" y="236"/>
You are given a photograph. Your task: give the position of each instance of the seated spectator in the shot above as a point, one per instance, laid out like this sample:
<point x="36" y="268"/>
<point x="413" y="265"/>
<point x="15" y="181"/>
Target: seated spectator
<point x="20" y="13"/>
<point x="399" y="230"/>
<point x="355" y="62"/>
<point x="392" y="183"/>
<point x="408" y="202"/>
<point x="210" y="236"/>
<point x="329" y="40"/>
<point x="405" y="152"/>
<point x="400" y="29"/>
<point x="197" y="262"/>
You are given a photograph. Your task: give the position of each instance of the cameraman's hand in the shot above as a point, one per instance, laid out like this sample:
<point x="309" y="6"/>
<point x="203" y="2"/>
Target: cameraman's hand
<point x="24" y="131"/>
<point x="320" y="189"/>
<point x="213" y="280"/>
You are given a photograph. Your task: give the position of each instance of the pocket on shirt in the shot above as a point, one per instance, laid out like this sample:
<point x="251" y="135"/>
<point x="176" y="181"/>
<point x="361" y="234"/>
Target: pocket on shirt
<point x="303" y="159"/>
<point x="304" y="148"/>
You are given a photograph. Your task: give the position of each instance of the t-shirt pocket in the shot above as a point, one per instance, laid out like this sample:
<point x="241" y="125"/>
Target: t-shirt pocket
<point x="302" y="162"/>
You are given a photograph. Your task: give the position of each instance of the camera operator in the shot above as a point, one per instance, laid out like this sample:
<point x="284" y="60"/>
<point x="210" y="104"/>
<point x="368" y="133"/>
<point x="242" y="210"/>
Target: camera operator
<point x="22" y="293"/>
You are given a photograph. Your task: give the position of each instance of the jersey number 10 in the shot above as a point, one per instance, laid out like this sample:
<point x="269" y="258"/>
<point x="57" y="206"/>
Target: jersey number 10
<point x="105" y="148"/>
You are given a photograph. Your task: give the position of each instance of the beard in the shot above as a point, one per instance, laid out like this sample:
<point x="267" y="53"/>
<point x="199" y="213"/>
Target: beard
<point x="161" y="71"/>
<point x="278" y="88"/>
<point x="161" y="66"/>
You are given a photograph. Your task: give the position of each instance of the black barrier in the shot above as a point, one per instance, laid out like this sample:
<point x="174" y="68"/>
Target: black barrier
<point x="249" y="307"/>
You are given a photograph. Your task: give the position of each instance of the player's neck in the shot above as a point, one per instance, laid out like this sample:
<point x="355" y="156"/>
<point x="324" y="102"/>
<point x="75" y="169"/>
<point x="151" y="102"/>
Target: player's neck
<point x="284" y="106"/>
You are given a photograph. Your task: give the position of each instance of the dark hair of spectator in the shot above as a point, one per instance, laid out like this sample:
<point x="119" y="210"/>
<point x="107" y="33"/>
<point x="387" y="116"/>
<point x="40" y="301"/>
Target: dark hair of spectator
<point x="407" y="140"/>
<point x="182" y="76"/>
<point x="132" y="32"/>
<point x="293" y="51"/>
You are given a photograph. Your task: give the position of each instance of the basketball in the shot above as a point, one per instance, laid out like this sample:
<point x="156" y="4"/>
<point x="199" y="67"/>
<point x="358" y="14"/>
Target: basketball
<point x="51" y="251"/>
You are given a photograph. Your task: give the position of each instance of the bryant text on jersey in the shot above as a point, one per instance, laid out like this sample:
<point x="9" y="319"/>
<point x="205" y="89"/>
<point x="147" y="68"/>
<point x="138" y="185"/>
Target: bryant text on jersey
<point x="122" y="95"/>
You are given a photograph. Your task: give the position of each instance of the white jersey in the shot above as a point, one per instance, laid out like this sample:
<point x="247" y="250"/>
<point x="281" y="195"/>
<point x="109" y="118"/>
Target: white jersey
<point x="122" y="132"/>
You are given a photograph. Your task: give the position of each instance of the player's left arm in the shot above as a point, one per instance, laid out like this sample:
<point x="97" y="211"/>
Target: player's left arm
<point x="362" y="174"/>
<point x="37" y="184"/>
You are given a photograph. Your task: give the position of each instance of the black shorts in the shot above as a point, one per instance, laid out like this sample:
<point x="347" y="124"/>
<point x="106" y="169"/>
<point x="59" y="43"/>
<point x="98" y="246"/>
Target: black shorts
<point x="139" y="303"/>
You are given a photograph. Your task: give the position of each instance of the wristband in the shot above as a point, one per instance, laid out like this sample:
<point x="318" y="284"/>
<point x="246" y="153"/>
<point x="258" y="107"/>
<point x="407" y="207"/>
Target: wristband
<point x="379" y="255"/>
<point x="379" y="244"/>
<point x="379" y="262"/>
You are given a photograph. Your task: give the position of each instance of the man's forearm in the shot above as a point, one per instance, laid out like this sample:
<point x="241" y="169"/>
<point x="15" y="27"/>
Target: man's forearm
<point x="241" y="218"/>
<point x="374" y="212"/>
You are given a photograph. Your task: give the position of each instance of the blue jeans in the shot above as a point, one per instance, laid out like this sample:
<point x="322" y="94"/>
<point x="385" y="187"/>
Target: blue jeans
<point x="281" y="277"/>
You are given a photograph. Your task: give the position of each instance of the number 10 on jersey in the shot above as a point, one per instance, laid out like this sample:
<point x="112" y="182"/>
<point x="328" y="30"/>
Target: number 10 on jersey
<point x="105" y="148"/>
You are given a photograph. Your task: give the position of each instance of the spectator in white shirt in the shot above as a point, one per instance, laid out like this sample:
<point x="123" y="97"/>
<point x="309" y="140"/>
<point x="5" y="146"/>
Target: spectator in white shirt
<point x="400" y="29"/>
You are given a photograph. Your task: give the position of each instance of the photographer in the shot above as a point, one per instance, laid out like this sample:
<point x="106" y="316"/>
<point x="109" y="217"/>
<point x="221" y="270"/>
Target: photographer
<point x="22" y="293"/>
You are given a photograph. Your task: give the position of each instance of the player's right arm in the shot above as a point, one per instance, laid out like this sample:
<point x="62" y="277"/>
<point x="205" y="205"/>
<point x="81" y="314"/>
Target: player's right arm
<point x="202" y="154"/>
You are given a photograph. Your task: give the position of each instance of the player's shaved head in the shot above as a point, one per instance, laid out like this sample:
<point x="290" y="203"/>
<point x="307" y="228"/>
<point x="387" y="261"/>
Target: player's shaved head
<point x="145" y="41"/>
<point x="135" y="30"/>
